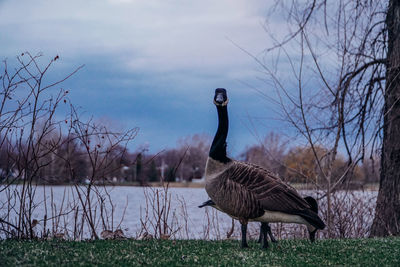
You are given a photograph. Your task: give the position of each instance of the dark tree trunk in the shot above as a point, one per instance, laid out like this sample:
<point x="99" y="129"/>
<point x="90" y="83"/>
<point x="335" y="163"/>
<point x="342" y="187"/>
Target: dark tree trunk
<point x="387" y="215"/>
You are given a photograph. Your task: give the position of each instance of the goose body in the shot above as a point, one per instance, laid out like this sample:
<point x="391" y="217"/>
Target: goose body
<point x="253" y="193"/>
<point x="249" y="192"/>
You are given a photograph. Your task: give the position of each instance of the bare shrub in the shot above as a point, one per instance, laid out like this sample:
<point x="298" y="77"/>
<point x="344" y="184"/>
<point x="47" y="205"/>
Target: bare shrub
<point x="353" y="214"/>
<point x="159" y="219"/>
<point x="42" y="144"/>
<point x="352" y="217"/>
<point x="212" y="227"/>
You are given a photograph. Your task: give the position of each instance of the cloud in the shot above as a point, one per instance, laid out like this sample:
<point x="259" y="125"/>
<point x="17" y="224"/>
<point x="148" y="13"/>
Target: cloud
<point x="149" y="36"/>
<point x="146" y="61"/>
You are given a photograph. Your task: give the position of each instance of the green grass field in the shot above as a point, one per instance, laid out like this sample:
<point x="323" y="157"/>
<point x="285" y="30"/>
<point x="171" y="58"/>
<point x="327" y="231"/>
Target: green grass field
<point x="365" y="252"/>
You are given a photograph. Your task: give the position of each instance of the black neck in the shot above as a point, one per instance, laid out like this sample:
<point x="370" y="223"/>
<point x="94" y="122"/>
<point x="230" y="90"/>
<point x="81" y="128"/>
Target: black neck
<point x="218" y="146"/>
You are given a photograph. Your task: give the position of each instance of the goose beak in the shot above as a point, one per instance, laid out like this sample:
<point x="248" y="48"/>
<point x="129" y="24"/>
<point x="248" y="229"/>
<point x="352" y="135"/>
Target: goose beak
<point x="219" y="99"/>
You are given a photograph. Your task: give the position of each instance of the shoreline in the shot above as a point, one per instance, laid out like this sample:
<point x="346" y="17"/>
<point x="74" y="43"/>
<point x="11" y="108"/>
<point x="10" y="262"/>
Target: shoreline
<point x="298" y="186"/>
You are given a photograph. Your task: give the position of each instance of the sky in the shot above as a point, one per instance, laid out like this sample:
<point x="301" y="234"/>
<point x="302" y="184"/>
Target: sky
<point x="152" y="64"/>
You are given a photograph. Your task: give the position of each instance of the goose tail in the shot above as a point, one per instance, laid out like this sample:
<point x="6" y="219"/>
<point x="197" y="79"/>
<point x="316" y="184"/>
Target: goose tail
<point x="313" y="203"/>
<point x="312" y="218"/>
<point x="311" y="215"/>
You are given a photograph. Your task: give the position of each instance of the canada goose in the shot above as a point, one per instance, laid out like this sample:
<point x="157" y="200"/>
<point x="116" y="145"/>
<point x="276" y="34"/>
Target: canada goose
<point x="265" y="229"/>
<point x="251" y="193"/>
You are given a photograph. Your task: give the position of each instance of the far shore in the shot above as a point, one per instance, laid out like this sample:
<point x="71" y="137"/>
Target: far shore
<point x="298" y="186"/>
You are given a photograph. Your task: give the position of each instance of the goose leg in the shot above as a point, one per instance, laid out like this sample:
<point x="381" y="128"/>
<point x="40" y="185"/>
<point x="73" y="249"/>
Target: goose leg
<point x="312" y="235"/>
<point x="269" y="231"/>
<point x="261" y="236"/>
<point x="244" y="233"/>
<point x="270" y="234"/>
<point x="264" y="234"/>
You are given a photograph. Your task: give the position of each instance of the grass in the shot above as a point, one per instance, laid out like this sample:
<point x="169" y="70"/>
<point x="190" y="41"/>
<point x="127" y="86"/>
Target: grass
<point x="362" y="252"/>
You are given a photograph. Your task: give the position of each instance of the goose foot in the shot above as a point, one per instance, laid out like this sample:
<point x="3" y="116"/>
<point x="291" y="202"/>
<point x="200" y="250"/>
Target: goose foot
<point x="244" y="245"/>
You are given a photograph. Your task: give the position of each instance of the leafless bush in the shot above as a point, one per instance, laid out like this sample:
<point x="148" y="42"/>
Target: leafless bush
<point x="159" y="219"/>
<point x="212" y="227"/>
<point x="42" y="144"/>
<point x="352" y="211"/>
<point x="185" y="218"/>
<point x="353" y="214"/>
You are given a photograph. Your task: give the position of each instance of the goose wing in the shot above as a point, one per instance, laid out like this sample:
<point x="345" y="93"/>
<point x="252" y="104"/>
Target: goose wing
<point x="270" y="192"/>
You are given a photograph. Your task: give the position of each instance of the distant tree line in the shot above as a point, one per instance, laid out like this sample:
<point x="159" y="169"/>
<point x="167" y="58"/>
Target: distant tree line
<point x="184" y="163"/>
<point x="297" y="164"/>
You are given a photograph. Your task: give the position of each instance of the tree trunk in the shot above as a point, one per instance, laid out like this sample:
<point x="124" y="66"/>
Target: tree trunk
<point x="387" y="215"/>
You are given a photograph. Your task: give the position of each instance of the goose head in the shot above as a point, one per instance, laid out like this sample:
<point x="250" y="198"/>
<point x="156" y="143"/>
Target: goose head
<point x="220" y="97"/>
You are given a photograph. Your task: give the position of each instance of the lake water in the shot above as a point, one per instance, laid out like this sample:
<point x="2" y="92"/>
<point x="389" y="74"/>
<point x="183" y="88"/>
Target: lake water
<point x="186" y="220"/>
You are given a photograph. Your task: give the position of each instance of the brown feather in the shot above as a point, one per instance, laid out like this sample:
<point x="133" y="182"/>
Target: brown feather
<point x="245" y="190"/>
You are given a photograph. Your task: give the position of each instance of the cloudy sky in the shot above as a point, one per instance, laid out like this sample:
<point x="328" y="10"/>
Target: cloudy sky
<point x="152" y="64"/>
